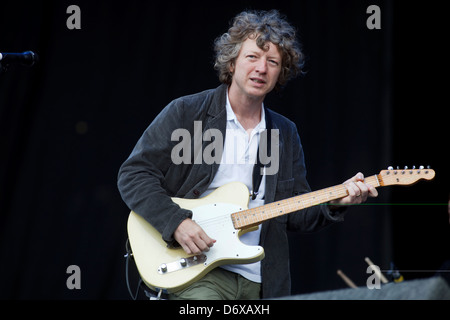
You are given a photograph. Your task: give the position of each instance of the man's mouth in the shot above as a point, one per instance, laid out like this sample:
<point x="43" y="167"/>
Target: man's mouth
<point x="257" y="80"/>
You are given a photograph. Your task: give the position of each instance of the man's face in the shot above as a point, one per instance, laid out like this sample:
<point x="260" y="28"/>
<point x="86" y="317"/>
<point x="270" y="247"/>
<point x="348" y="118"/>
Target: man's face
<point x="255" y="72"/>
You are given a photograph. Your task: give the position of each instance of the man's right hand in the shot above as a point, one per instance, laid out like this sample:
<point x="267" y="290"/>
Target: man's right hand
<point x="192" y="237"/>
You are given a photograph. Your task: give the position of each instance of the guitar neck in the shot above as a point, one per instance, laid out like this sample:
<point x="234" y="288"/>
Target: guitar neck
<point x="251" y="217"/>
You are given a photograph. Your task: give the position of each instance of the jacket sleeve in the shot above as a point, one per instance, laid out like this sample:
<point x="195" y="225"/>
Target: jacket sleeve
<point x="141" y="177"/>
<point x="313" y="218"/>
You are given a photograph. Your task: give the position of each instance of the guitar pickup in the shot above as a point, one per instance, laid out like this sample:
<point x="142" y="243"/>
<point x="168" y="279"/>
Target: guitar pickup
<point x="182" y="263"/>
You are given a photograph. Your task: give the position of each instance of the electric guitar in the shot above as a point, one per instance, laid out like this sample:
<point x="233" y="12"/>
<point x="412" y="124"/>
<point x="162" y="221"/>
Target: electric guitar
<point x="224" y="215"/>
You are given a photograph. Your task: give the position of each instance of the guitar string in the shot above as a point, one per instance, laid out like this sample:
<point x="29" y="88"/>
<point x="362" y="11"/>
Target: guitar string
<point x="271" y="210"/>
<point x="289" y="205"/>
<point x="247" y="217"/>
<point x="281" y="207"/>
<point x="218" y="220"/>
<point x="298" y="203"/>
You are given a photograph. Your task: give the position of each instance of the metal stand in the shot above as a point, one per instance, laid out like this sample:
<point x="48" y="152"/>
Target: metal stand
<point x="3" y="67"/>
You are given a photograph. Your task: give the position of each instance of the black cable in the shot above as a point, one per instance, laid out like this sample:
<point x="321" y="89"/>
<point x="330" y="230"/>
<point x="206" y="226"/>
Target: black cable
<point x="128" y="255"/>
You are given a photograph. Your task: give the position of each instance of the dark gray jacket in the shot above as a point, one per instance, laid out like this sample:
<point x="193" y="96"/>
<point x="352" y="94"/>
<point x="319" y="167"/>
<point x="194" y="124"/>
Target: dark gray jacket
<point x="148" y="179"/>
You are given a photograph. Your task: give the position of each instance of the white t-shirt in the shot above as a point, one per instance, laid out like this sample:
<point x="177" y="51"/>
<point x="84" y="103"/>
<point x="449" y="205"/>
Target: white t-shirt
<point x="238" y="159"/>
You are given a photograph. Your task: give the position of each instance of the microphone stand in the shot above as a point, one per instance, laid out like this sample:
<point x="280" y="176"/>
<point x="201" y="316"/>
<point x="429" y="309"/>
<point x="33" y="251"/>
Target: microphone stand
<point x="3" y="67"/>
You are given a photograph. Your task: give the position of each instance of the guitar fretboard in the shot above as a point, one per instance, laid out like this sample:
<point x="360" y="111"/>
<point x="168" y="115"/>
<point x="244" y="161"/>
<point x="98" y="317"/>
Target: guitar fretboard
<point x="251" y="217"/>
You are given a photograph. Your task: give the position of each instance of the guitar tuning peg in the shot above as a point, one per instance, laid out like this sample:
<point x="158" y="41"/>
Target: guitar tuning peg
<point x="421" y="167"/>
<point x="413" y="167"/>
<point x="390" y="168"/>
<point x="398" y="168"/>
<point x="428" y="167"/>
<point x="406" y="167"/>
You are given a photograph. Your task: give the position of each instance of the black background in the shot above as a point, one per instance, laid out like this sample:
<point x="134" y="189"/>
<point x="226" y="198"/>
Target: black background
<point x="370" y="99"/>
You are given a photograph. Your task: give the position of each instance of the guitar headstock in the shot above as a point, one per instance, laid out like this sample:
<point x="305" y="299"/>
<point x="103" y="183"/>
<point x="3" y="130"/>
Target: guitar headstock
<point x="404" y="176"/>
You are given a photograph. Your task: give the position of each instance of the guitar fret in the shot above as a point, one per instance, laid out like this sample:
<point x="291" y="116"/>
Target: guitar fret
<point x="254" y="216"/>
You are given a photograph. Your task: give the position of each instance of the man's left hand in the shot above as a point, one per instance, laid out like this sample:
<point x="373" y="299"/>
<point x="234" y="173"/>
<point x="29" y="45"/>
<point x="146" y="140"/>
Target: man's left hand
<point x="358" y="191"/>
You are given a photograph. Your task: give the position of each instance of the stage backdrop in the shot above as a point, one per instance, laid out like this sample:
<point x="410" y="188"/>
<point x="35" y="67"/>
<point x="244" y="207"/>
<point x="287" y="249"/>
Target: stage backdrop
<point x="370" y="98"/>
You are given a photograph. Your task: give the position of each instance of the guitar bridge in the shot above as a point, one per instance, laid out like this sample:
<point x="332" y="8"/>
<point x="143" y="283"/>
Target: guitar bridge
<point x="182" y="263"/>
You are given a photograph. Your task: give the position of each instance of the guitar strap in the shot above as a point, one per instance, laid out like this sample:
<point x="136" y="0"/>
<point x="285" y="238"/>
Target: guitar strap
<point x="257" y="168"/>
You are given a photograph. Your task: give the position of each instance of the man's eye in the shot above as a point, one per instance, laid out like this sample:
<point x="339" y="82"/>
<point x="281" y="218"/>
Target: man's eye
<point x="274" y="62"/>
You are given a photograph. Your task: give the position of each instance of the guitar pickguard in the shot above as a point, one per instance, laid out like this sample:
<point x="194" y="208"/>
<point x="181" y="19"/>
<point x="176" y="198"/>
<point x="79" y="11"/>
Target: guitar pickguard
<point x="215" y="220"/>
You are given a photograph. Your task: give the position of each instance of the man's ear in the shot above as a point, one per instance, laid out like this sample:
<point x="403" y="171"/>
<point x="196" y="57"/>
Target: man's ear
<point x="231" y="68"/>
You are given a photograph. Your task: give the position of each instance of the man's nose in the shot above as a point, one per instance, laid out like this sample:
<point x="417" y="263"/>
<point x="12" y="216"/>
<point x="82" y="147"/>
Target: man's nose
<point x="261" y="66"/>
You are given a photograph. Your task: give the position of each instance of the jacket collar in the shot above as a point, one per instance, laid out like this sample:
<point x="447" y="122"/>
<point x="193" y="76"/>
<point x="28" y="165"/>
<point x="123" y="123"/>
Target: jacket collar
<point x="219" y="101"/>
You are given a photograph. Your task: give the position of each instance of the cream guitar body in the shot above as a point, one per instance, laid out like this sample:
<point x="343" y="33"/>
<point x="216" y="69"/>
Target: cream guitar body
<point x="172" y="269"/>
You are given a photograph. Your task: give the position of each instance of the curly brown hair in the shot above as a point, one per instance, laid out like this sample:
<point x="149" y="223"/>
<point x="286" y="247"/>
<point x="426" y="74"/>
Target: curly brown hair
<point x="264" y="26"/>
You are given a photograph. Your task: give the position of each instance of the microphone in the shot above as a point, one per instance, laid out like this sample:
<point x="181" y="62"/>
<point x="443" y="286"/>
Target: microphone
<point x="27" y="58"/>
